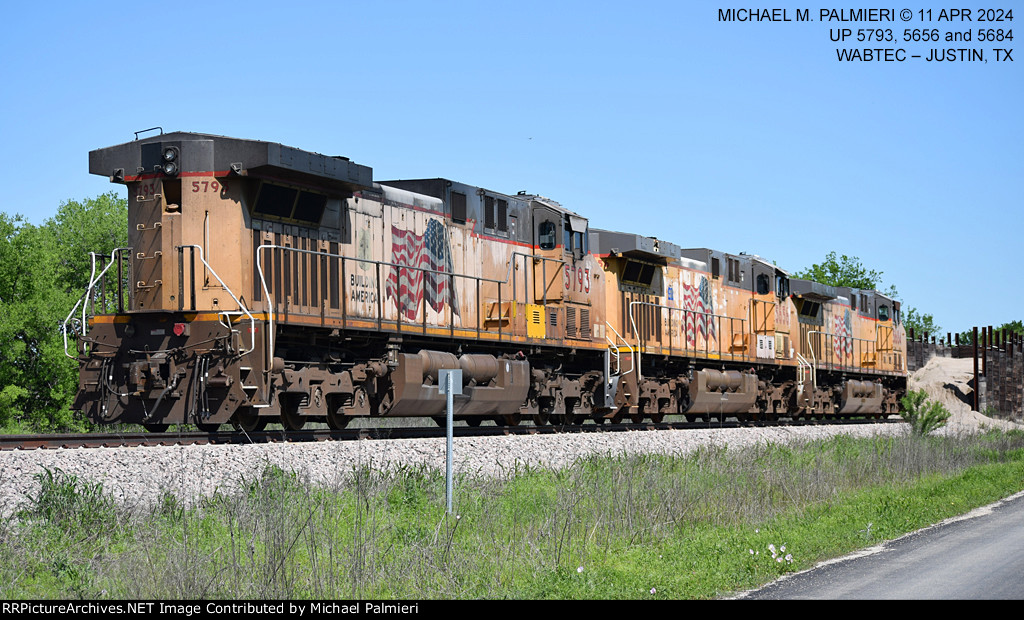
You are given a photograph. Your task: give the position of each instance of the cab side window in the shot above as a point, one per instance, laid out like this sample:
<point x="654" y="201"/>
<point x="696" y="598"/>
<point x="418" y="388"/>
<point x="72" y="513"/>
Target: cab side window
<point x="762" y="285"/>
<point x="546" y="235"/>
<point x="781" y="286"/>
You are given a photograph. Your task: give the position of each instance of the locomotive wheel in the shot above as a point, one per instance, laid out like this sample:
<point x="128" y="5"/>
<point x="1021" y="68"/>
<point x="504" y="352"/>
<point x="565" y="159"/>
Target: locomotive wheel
<point x="545" y="405"/>
<point x="207" y="427"/>
<point x="512" y="419"/>
<point x="636" y="418"/>
<point x="474" y="421"/>
<point x="337" y="420"/>
<point x="290" y="418"/>
<point x="156" y="428"/>
<point x="657" y="418"/>
<point x="246" y="419"/>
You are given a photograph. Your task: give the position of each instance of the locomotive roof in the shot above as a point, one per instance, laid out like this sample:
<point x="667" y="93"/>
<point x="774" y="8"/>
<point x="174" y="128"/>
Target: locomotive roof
<point x="815" y="291"/>
<point x="615" y="242"/>
<point x="222" y="156"/>
<point x="812" y="290"/>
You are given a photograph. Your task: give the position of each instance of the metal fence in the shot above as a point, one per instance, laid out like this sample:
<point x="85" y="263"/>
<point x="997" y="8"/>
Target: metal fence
<point x="998" y="383"/>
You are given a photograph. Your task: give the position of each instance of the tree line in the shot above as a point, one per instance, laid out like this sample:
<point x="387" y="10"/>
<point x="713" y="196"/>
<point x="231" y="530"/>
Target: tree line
<point x="44" y="270"/>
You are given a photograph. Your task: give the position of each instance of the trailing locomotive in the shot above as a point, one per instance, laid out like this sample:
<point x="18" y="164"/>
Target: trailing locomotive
<point x="269" y="284"/>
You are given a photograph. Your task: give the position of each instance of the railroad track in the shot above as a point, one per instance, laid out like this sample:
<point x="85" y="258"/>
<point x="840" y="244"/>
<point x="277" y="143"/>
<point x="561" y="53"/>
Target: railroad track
<point x="230" y="436"/>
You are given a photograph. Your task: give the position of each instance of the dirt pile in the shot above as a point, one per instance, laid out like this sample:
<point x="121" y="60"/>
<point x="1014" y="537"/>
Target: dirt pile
<point x="950" y="382"/>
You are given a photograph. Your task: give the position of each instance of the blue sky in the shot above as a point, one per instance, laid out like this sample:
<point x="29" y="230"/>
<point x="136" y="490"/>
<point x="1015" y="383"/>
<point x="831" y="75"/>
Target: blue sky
<point x="647" y="117"/>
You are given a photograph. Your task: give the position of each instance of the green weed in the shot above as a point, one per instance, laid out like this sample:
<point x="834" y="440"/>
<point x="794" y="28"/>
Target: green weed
<point x="621" y="526"/>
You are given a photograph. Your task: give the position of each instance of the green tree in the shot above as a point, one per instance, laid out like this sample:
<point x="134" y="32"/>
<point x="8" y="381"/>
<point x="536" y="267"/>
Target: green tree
<point x="95" y="225"/>
<point x="920" y="322"/>
<point x="842" y="271"/>
<point x="43" y="271"/>
<point x="1013" y="326"/>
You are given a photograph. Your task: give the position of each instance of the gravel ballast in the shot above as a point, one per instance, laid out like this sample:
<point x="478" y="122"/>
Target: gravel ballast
<point x="139" y="476"/>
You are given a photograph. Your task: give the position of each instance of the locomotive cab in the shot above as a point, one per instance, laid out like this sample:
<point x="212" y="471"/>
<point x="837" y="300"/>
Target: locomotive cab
<point x="188" y="340"/>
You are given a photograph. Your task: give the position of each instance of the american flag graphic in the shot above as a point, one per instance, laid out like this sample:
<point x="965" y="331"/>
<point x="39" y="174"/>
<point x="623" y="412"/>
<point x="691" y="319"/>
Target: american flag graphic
<point x="697" y="301"/>
<point x="842" y="343"/>
<point x="411" y="253"/>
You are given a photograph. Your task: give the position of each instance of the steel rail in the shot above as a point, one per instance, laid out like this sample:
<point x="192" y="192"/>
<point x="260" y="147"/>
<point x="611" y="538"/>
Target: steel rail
<point x="230" y="436"/>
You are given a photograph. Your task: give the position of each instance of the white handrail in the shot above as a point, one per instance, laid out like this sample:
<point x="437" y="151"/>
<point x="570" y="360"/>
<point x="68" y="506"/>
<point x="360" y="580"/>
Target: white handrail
<point x="809" y="368"/>
<point x="632" y="358"/>
<point x="252" y="319"/>
<point x="84" y="299"/>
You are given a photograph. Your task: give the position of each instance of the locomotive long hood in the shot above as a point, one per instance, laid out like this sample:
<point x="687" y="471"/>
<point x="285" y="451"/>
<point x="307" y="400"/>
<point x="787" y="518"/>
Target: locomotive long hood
<point x="223" y="156"/>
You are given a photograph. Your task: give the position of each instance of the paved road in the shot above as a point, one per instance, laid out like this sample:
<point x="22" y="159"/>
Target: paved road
<point x="978" y="556"/>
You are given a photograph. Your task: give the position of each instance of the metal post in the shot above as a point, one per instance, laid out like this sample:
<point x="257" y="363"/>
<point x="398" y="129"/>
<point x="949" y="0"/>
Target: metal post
<point x="976" y="386"/>
<point x="448" y="445"/>
<point x="984" y="352"/>
<point x="450" y="383"/>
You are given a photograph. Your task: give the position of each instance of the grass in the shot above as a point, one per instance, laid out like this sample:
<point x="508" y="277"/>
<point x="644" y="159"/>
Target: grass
<point x="629" y="527"/>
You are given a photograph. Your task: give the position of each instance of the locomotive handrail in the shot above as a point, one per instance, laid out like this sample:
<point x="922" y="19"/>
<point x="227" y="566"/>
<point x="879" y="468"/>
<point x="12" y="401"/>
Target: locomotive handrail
<point x="509" y="270"/>
<point x="805" y="366"/>
<point x="269" y="297"/>
<point x="84" y="299"/>
<point x="632" y="358"/>
<point x="252" y="319"/>
<point x="706" y="315"/>
<point x="810" y="346"/>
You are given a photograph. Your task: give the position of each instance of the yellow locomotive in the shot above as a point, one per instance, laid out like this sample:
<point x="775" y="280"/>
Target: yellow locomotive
<point x="266" y="283"/>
